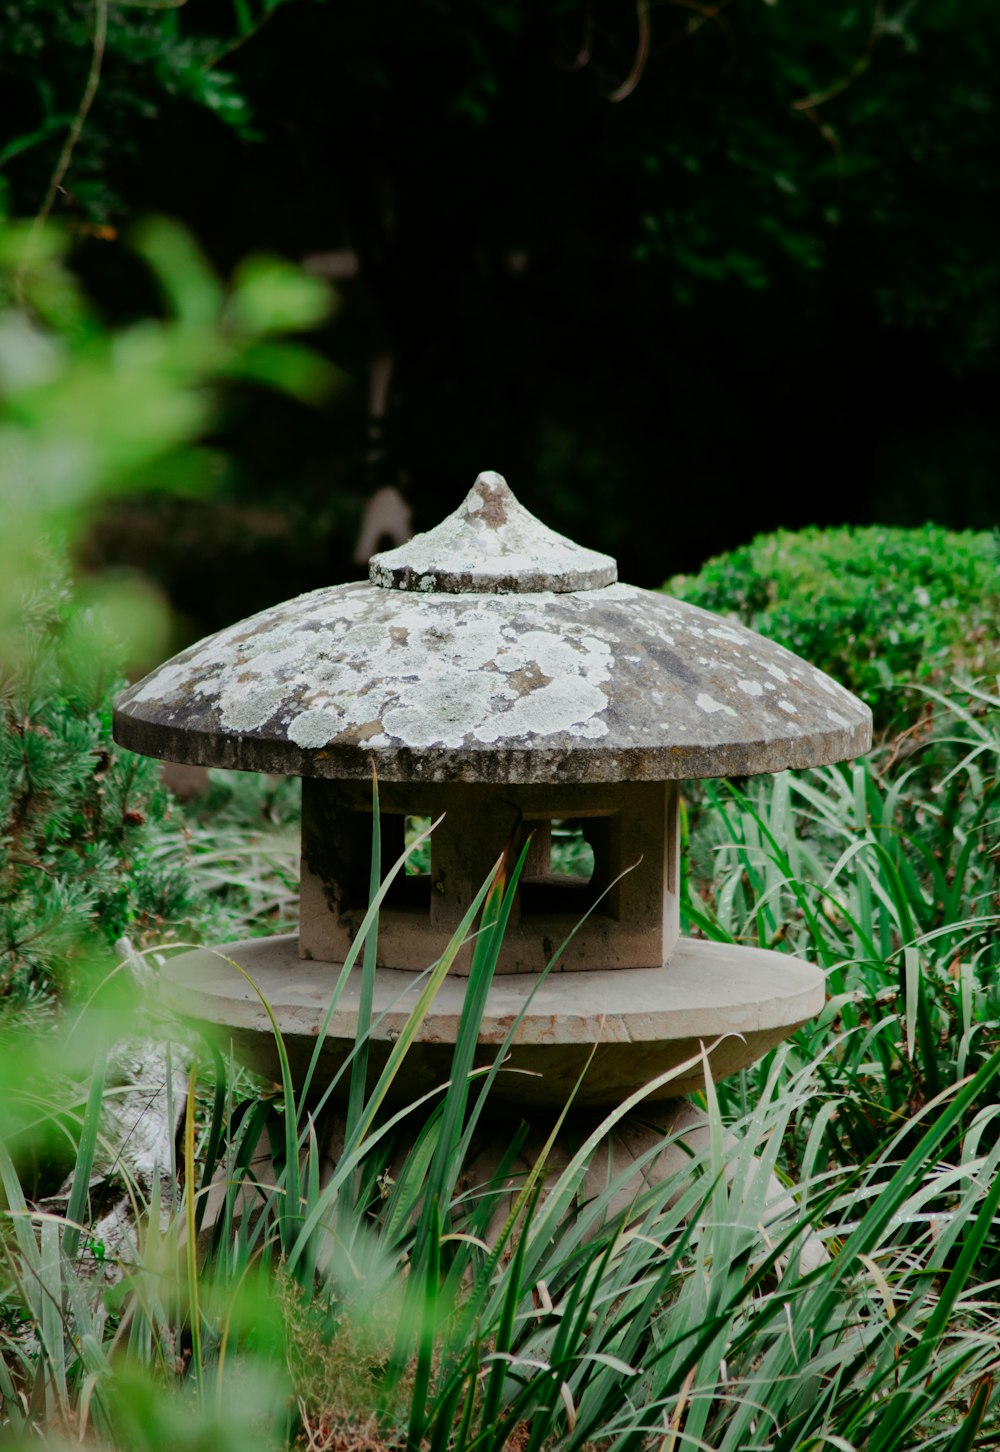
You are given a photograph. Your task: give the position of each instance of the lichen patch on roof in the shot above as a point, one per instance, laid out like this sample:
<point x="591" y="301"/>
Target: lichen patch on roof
<point x="597" y="685"/>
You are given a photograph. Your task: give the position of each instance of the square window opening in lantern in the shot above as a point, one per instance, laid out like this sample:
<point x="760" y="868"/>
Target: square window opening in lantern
<point x="570" y="854"/>
<point x="410" y="890"/>
<point x="569" y="867"/>
<point x="419" y="861"/>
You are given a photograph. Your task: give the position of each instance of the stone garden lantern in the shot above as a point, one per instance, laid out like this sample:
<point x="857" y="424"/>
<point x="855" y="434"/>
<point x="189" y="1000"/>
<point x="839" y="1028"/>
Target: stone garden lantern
<point x="496" y="673"/>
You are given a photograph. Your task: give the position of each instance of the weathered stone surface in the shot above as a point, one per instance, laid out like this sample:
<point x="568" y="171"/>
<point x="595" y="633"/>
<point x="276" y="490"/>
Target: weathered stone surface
<point x="491" y="544"/>
<point x="598" y="683"/>
<point x="495" y="671"/>
<point x="632" y="898"/>
<point x="619" y="1029"/>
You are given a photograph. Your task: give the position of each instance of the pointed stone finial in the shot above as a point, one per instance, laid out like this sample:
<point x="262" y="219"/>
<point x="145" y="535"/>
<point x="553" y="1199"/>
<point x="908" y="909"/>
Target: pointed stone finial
<point x="491" y="545"/>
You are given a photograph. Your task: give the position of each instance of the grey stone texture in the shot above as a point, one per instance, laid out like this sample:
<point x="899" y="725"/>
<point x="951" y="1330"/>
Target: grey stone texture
<point x="618" y="1029"/>
<point x="491" y="545"/>
<point x="491" y="677"/>
<point x="631" y="898"/>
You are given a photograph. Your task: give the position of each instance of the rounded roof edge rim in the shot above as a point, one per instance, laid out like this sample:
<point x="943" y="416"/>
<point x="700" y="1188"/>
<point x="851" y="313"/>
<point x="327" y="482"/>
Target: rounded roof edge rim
<point x="526" y="765"/>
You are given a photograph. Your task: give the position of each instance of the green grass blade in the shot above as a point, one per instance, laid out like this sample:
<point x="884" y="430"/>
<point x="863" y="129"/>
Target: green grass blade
<point x="214" y="1145"/>
<point x="427" y="1331"/>
<point x="191" y="1237"/>
<point x="80" y="1188"/>
<point x="966" y="1438"/>
<point x="446" y="1163"/>
<point x="954" y="1283"/>
<point x="354" y="1150"/>
<point x="367" y="923"/>
<point x="359" y="1068"/>
<point x="504" y="1338"/>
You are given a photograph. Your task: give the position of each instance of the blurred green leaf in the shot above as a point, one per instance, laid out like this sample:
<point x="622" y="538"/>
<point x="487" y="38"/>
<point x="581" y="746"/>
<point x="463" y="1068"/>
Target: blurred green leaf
<point x="181" y="270"/>
<point x="269" y="296"/>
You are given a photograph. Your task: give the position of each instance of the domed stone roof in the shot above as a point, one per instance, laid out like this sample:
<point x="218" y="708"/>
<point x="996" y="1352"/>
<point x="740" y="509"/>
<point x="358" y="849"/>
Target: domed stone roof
<point x="491" y="649"/>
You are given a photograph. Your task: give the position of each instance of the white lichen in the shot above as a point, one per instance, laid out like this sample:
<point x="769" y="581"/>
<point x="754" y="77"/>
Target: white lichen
<point x="385" y="669"/>
<point x="313" y="729"/>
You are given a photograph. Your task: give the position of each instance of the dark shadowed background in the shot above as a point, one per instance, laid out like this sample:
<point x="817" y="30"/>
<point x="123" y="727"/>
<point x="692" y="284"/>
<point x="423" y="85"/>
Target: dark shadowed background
<point x="683" y="272"/>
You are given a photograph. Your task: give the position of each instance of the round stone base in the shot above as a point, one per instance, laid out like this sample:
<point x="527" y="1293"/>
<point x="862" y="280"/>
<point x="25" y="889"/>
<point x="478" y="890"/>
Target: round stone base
<point x="620" y="1029"/>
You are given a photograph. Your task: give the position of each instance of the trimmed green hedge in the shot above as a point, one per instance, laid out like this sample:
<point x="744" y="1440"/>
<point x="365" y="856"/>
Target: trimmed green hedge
<point x="878" y="608"/>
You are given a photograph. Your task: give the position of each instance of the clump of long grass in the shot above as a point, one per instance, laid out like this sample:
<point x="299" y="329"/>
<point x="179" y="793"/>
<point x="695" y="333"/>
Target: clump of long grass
<point x="886" y="873"/>
<point x="689" y="1321"/>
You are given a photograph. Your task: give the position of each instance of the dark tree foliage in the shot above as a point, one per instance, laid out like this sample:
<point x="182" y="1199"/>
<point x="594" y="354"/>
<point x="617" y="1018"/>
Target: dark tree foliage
<point x="143" y="65"/>
<point x="733" y="265"/>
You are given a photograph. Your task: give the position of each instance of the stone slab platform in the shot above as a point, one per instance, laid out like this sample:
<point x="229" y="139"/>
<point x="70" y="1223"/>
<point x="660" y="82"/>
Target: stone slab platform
<point x="642" y="1021"/>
